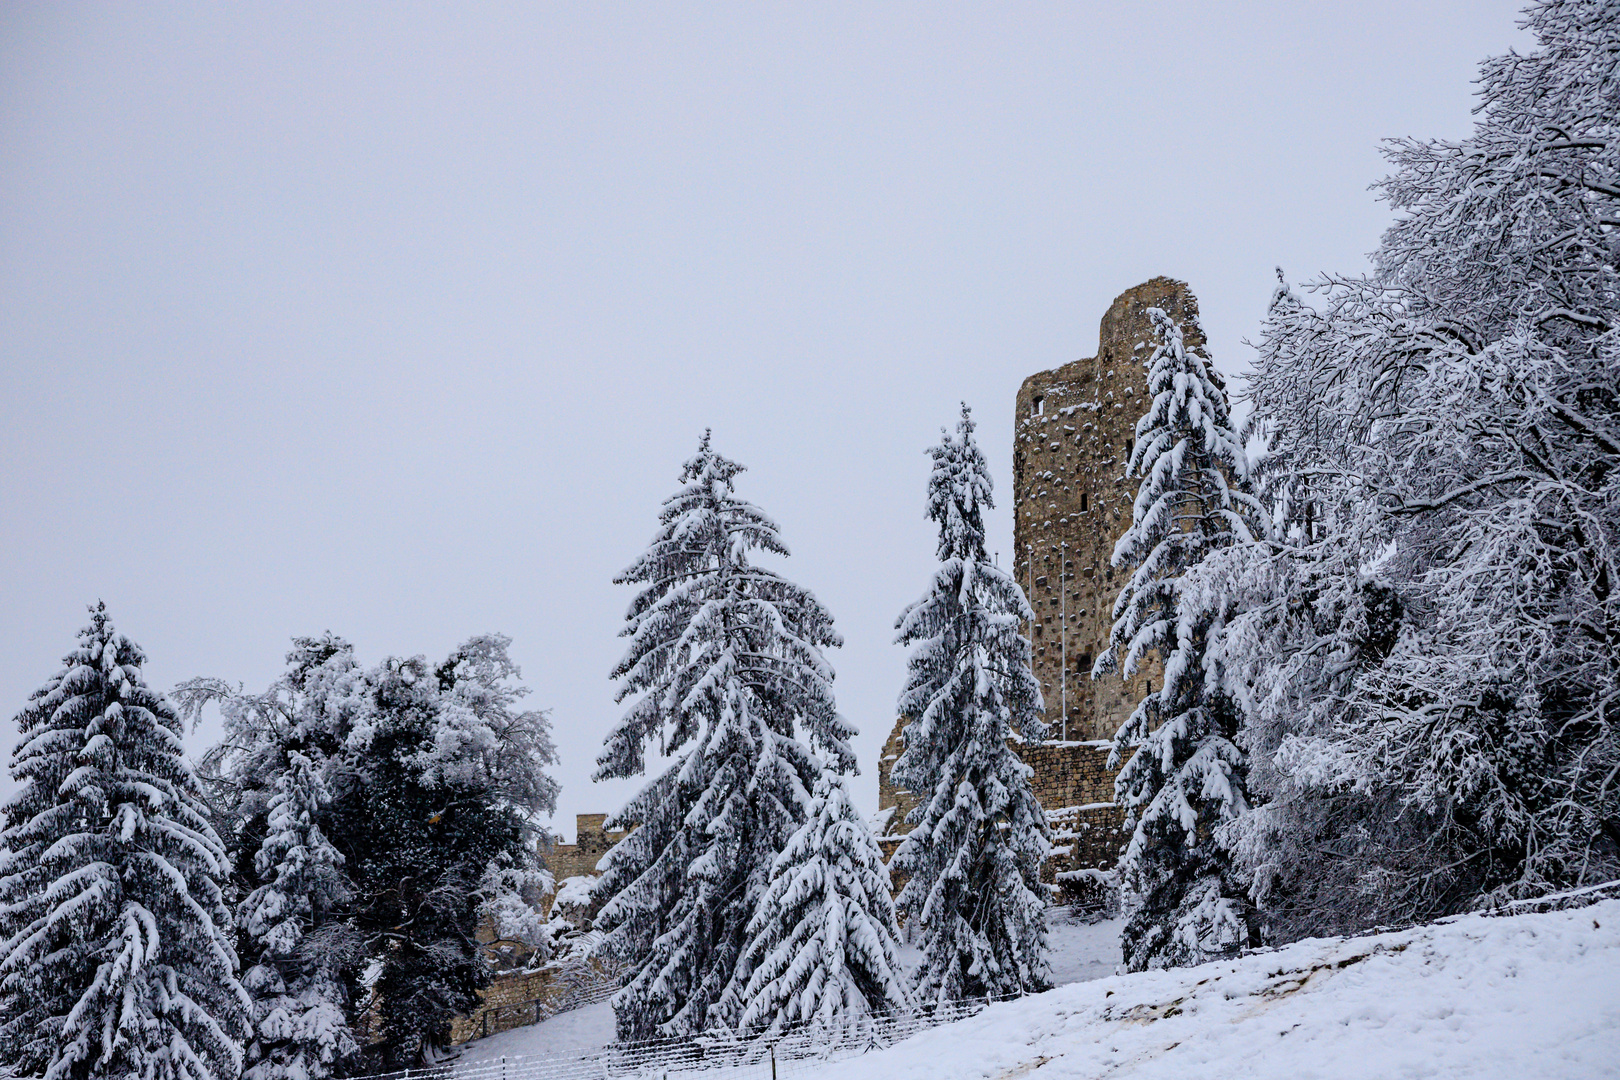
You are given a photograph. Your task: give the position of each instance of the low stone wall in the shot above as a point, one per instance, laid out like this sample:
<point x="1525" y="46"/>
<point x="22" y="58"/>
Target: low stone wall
<point x="518" y="998"/>
<point x="513" y="999"/>
<point x="1071" y="781"/>
<point x="1086" y="837"/>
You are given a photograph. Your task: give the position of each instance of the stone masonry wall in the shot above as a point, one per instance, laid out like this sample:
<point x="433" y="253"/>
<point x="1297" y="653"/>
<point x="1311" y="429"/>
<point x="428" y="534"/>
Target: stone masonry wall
<point x="579" y="859"/>
<point x="1075" y="787"/>
<point x="1074" y="430"/>
<point x="513" y="999"/>
<point x="1073" y="784"/>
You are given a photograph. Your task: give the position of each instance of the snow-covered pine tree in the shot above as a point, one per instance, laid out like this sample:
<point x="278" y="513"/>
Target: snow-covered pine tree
<point x="114" y="959"/>
<point x="823" y="943"/>
<point x="1185" y="779"/>
<point x="300" y="1030"/>
<point x="978" y="837"/>
<point x="726" y="670"/>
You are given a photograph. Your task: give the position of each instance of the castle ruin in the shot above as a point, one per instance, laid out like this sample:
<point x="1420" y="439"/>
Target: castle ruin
<point x="1073" y="433"/>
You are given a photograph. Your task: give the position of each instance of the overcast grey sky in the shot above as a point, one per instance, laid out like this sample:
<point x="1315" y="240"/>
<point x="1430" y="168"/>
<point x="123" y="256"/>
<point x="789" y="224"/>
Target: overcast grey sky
<point x="398" y="320"/>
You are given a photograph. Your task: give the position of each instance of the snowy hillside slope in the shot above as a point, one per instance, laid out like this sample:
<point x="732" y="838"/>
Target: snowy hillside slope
<point x="1525" y="996"/>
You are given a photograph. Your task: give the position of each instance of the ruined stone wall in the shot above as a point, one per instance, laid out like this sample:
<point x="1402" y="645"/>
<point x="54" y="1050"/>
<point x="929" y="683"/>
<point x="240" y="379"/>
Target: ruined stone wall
<point x="1073" y="784"/>
<point x="1073" y="434"/>
<point x="1074" y="430"/>
<point x="518" y="997"/>
<point x="512" y="999"/>
<point x="579" y="859"/>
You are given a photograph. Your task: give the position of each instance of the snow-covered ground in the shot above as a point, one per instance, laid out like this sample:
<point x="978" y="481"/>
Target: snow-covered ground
<point x="1520" y="998"/>
<point x="1079" y="951"/>
<point x="1527" y="997"/>
<point x="579" y="1029"/>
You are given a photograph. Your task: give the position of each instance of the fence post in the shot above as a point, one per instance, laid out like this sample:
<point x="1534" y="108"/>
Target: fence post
<point x="773" y="1061"/>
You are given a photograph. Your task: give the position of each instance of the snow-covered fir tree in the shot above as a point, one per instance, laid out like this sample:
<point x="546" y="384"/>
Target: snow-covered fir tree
<point x="300" y="1030"/>
<point x="1463" y="404"/>
<point x="823" y="944"/>
<point x="1185" y="779"/>
<point x="114" y="954"/>
<point x="727" y="676"/>
<point x="978" y="836"/>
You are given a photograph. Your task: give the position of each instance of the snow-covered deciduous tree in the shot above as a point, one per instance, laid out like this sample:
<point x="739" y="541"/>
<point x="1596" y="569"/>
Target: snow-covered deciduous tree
<point x="823" y="944"/>
<point x="418" y="828"/>
<point x="436" y="784"/>
<point x="978" y="836"/>
<point x="1456" y="735"/>
<point x="300" y="1026"/>
<point x="1185" y="778"/>
<point x="114" y="955"/>
<point x="1310" y="612"/>
<point x="489" y="742"/>
<point x="727" y="675"/>
<point x="487" y="736"/>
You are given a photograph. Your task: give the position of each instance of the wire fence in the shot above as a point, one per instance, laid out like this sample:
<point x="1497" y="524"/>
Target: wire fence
<point x="799" y="1051"/>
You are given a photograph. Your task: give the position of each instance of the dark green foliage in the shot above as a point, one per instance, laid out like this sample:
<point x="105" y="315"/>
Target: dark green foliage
<point x="416" y="854"/>
<point x="434" y="778"/>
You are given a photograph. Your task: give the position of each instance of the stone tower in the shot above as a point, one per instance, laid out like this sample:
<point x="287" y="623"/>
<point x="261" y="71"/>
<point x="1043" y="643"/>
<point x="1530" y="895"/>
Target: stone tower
<point x="1073" y="434"/>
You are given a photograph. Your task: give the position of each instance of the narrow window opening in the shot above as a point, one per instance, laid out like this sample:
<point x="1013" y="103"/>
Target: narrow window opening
<point x="1085" y="502"/>
<point x="1037" y="405"/>
<point x="1084" y="664"/>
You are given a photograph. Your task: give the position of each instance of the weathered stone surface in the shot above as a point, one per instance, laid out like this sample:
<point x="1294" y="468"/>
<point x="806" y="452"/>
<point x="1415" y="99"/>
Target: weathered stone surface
<point x="592" y="840"/>
<point x="1074" y="429"/>
<point x="513" y="999"/>
<point x="1073" y="432"/>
